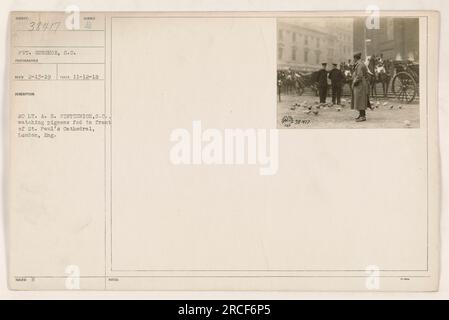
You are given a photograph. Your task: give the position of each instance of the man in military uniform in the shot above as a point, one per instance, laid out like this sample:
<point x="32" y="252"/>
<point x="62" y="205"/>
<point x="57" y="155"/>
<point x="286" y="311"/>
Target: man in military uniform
<point x="336" y="76"/>
<point x="322" y="82"/>
<point x="359" y="87"/>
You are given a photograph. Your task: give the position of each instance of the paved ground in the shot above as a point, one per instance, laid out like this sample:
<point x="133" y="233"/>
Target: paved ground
<point x="390" y="113"/>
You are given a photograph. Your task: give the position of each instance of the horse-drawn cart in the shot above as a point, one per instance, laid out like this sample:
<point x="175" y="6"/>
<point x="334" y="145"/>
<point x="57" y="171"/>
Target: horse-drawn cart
<point x="405" y="83"/>
<point x="294" y="82"/>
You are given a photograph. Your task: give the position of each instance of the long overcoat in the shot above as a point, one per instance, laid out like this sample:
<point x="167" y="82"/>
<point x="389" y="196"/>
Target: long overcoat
<point x="359" y="86"/>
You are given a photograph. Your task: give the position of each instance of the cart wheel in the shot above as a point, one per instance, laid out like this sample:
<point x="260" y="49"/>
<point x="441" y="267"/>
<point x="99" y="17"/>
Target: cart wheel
<point x="404" y="87"/>
<point x="300" y="90"/>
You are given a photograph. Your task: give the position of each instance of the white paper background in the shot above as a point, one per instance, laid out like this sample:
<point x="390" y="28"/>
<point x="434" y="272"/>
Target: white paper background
<point x="230" y="5"/>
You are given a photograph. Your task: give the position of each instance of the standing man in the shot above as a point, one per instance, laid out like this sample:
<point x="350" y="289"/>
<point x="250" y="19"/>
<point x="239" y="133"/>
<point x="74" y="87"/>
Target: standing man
<point x="336" y="77"/>
<point x="322" y="82"/>
<point x="359" y="87"/>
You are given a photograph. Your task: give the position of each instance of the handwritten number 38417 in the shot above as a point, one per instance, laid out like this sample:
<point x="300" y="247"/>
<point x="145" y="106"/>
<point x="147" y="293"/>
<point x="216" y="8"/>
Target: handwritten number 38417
<point x="44" y="26"/>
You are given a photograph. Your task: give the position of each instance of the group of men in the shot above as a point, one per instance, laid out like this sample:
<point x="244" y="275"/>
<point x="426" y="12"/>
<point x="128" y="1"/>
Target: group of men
<point x="337" y="79"/>
<point x="359" y="85"/>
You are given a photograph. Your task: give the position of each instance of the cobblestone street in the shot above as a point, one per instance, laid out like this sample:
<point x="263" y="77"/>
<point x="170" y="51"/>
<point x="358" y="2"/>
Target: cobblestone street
<point x="387" y="113"/>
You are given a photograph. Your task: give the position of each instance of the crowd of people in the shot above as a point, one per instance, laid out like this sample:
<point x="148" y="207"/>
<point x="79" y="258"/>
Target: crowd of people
<point x="358" y="74"/>
<point x="362" y="75"/>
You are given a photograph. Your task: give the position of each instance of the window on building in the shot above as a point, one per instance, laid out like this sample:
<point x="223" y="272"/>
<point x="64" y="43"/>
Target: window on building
<point x="293" y="53"/>
<point x="280" y="52"/>
<point x="294" y="37"/>
<point x="280" y="35"/>
<point x="390" y="29"/>
<point x="306" y="55"/>
<point x="306" y="40"/>
<point x="317" y="43"/>
<point x="318" y="57"/>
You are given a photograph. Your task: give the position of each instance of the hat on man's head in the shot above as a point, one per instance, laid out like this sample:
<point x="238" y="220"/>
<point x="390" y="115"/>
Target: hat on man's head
<point x="357" y="55"/>
<point x="334" y="64"/>
<point x="324" y="64"/>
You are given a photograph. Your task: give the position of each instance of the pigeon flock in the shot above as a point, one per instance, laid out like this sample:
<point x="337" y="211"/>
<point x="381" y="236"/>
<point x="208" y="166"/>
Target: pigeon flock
<point x="314" y="108"/>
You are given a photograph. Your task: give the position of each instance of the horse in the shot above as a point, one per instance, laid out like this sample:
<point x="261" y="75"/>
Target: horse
<point x="347" y="78"/>
<point x="291" y="82"/>
<point x="383" y="77"/>
<point x="377" y="73"/>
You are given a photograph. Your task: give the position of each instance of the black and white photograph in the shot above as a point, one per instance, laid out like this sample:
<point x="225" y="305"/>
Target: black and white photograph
<point x="349" y="72"/>
<point x="226" y="157"/>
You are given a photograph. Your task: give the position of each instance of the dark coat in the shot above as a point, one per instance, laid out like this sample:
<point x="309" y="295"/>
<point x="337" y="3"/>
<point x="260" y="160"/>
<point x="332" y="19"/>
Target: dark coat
<point x="336" y="77"/>
<point x="321" y="78"/>
<point x="360" y="86"/>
